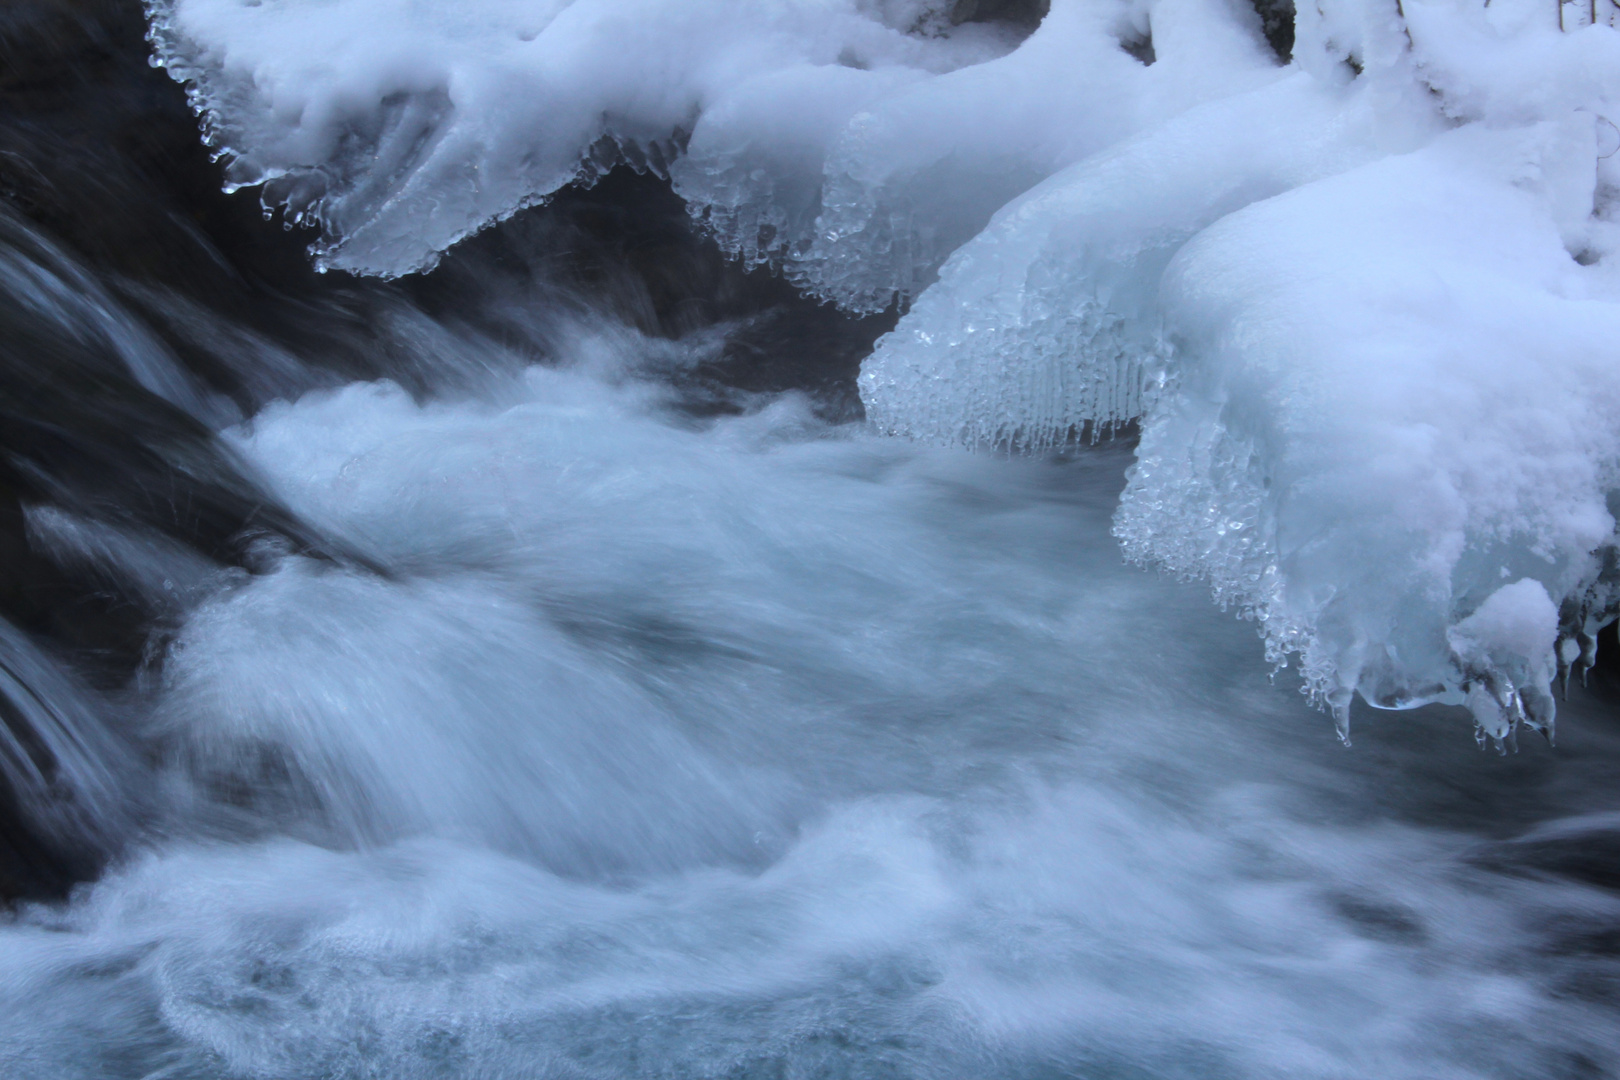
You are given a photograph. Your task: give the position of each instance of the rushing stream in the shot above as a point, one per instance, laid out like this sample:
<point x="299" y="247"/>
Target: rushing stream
<point x="762" y="748"/>
<point x="538" y="671"/>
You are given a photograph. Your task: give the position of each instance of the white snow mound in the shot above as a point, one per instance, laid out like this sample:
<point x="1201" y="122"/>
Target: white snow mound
<point x="1367" y="318"/>
<point x="854" y="142"/>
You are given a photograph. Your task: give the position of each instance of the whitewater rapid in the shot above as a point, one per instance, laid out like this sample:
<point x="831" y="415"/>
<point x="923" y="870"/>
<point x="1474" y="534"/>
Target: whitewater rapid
<point x="758" y="747"/>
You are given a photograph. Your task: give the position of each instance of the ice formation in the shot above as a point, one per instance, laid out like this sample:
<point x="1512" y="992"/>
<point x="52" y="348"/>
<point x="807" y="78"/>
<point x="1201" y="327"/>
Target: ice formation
<point x="401" y="126"/>
<point x="1393" y="408"/>
<point x="1361" y="303"/>
<point x="854" y="141"/>
<point x="1364" y="317"/>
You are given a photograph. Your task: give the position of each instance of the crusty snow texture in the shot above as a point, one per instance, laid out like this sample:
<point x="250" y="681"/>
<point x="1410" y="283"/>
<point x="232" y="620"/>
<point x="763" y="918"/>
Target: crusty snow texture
<point x="1364" y="305"/>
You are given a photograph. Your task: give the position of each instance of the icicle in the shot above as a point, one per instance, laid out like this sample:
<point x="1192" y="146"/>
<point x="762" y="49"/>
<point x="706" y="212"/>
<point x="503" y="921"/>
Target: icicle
<point x="1569" y="651"/>
<point x="1339" y="702"/>
<point x="1495" y="711"/>
<point x="1540" y="711"/>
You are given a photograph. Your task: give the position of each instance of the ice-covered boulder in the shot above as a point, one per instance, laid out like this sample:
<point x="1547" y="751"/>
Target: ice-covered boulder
<point x="901" y="169"/>
<point x="1395" y="395"/>
<point x="854" y="142"/>
<point x="1046" y="324"/>
<point x="1366" y="317"/>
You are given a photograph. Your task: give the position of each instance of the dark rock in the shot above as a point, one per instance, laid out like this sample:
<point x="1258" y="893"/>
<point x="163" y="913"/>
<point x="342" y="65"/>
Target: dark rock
<point x="1277" y="24"/>
<point x="1028" y="13"/>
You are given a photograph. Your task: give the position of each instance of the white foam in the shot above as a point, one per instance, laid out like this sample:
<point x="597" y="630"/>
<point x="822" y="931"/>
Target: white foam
<point x="674" y="749"/>
<point x="1076" y="930"/>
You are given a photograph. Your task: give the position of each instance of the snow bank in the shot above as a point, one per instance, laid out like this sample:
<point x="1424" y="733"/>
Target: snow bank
<point x="1366" y="319"/>
<point x="1396" y="396"/>
<point x="901" y="169"/>
<point x="1361" y="305"/>
<point x="855" y="141"/>
<point x="401" y="126"/>
<point x="1046" y="322"/>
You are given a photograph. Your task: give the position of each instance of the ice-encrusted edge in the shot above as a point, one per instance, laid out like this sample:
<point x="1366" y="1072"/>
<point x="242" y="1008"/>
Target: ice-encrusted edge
<point x="300" y="196"/>
<point x="1227" y="541"/>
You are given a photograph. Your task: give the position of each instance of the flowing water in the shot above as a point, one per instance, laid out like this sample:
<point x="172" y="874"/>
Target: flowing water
<point x="758" y="747"/>
<point x="578" y="720"/>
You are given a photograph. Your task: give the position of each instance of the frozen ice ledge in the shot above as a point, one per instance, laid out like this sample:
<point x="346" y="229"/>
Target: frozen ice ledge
<point x="1363" y="303"/>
